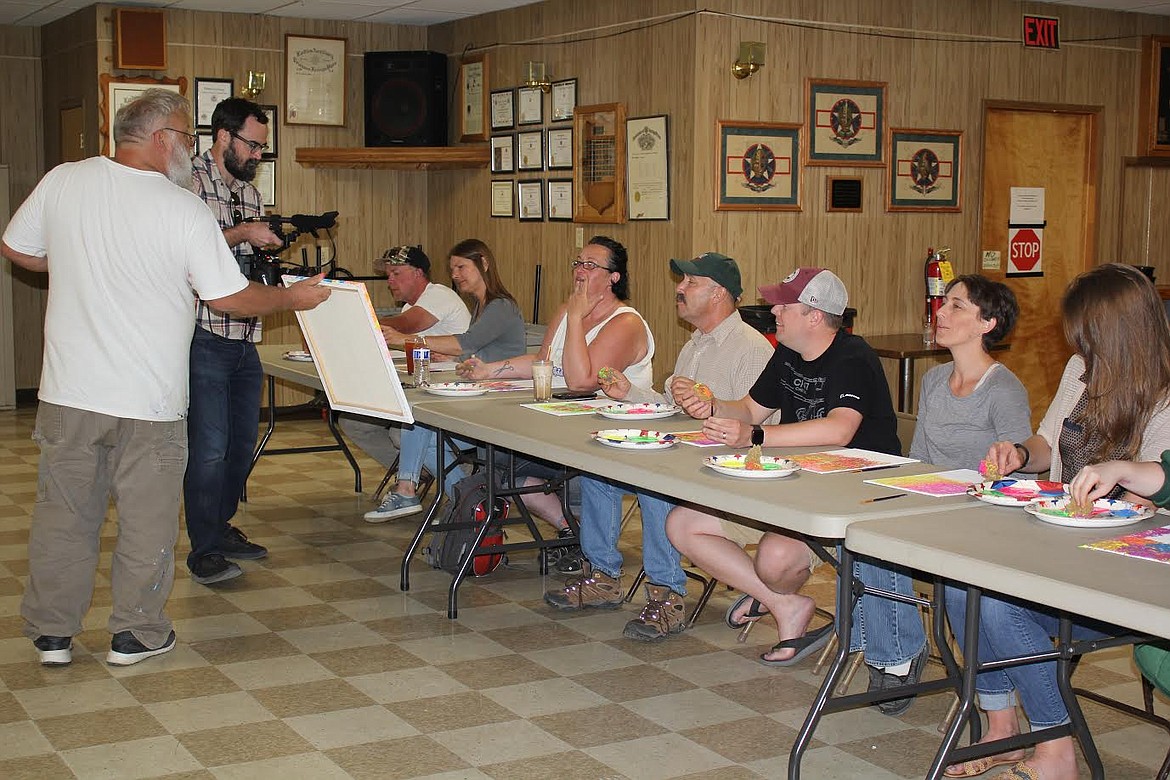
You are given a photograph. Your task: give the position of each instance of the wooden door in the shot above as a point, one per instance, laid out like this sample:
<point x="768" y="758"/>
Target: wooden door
<point x="72" y="134"/>
<point x="1054" y="147"/>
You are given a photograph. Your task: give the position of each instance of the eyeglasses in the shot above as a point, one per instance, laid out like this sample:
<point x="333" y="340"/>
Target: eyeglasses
<point x="589" y="265"/>
<point x="237" y="209"/>
<point x="253" y="146"/>
<point x="191" y="137"/>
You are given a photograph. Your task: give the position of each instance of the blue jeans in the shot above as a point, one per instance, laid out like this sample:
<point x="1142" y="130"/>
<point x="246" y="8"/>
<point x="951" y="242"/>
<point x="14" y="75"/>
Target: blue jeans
<point x="222" y="424"/>
<point x="890" y="632"/>
<point x="1008" y="629"/>
<point x="601" y="525"/>
<point x="419" y="447"/>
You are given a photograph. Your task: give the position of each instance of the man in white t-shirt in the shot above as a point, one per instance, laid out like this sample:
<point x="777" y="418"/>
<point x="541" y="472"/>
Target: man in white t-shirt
<point x="428" y="309"/>
<point x="127" y="251"/>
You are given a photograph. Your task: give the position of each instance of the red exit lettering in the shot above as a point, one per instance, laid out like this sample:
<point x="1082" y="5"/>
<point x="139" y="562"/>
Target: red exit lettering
<point x="1041" y="32"/>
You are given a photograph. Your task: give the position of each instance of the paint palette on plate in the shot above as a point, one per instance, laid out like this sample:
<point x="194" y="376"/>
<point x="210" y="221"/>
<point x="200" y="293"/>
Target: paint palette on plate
<point x="1016" y="492"/>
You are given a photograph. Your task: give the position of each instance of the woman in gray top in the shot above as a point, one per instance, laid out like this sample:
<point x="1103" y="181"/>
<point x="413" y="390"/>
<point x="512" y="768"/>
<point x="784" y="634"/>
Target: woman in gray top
<point x="963" y="407"/>
<point x="496" y="333"/>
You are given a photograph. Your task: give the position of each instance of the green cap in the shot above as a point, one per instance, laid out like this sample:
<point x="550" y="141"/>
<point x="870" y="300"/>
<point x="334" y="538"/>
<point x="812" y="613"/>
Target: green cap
<point x="715" y="266"/>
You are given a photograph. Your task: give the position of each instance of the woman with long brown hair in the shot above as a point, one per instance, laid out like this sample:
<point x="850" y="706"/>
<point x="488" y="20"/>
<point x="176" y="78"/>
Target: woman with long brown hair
<point x="1113" y="403"/>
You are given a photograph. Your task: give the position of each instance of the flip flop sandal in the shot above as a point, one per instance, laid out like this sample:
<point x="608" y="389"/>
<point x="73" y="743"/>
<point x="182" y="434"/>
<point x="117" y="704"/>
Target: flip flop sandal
<point x="755" y="611"/>
<point x="1019" y="771"/>
<point x="978" y="766"/>
<point x="804" y="645"/>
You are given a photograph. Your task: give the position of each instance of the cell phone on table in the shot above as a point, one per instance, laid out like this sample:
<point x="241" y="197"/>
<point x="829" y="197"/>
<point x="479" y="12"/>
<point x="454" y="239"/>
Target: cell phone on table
<point x="575" y="395"/>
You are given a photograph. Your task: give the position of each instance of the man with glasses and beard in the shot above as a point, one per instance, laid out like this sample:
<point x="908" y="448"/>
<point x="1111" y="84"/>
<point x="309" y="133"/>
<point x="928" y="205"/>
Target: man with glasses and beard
<point x="225" y="368"/>
<point x="127" y="252"/>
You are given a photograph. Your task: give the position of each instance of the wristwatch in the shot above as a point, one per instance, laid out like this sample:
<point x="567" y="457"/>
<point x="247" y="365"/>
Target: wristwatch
<point x="757" y="435"/>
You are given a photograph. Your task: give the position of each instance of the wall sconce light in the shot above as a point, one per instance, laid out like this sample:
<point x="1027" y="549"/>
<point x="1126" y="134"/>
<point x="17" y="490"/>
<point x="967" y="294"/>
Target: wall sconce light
<point x="750" y="59"/>
<point x="256" y="80"/>
<point x="534" y="76"/>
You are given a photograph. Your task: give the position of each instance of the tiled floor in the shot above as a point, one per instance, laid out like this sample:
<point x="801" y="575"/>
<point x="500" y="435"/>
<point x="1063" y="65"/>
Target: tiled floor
<point x="315" y="665"/>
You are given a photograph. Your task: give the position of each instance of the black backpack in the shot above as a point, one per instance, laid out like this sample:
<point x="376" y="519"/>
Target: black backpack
<point x="467" y="508"/>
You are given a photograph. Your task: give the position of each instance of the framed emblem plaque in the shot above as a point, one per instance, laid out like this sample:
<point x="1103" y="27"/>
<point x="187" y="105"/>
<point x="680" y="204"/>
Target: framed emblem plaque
<point x="758" y="166"/>
<point x="599" y="172"/>
<point x="846" y="122"/>
<point x="924" y="170"/>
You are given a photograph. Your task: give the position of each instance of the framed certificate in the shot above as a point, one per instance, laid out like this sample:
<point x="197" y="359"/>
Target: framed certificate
<point x="473" y="98"/>
<point x="503" y="153"/>
<point x="530" y="196"/>
<point x="564" y="99"/>
<point x="599" y="176"/>
<point x="208" y="94"/>
<point x="203" y="142"/>
<point x="648" y="168"/>
<point x="560" y="149"/>
<point x="503" y="109"/>
<point x="117" y="91"/>
<point x="530" y="151"/>
<point x="560" y="200"/>
<point x="314" y="80"/>
<point x="273" y="114"/>
<point x="531" y="106"/>
<point x="503" y="205"/>
<point x="265" y="181"/>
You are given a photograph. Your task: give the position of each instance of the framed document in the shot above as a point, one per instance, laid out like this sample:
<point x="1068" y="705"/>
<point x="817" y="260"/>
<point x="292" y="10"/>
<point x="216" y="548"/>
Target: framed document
<point x="273" y="114"/>
<point x="531" y="106"/>
<point x="530" y="196"/>
<point x="1154" y="100"/>
<point x="203" y="142"/>
<point x="208" y="94"/>
<point x="314" y="80"/>
<point x="116" y="91"/>
<point x="503" y="109"/>
<point x="599" y="175"/>
<point x="473" y="98"/>
<point x="564" y="99"/>
<point x="846" y="122"/>
<point x="503" y="153"/>
<point x="560" y="149"/>
<point x="924" y="170"/>
<point x="503" y="204"/>
<point x="757" y="166"/>
<point x="265" y="181"/>
<point x="560" y="200"/>
<point x="530" y="151"/>
<point x="648" y="168"/>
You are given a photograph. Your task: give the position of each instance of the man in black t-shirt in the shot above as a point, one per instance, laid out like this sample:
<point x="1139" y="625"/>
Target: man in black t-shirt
<point x="831" y="391"/>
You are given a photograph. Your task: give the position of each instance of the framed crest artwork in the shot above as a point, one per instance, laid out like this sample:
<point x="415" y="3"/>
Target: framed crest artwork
<point x="846" y="122"/>
<point x="924" y="173"/>
<point x="757" y="166"/>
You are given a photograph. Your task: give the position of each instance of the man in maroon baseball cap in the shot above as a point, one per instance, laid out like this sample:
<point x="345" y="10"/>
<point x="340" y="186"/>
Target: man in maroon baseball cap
<point x="819" y="288"/>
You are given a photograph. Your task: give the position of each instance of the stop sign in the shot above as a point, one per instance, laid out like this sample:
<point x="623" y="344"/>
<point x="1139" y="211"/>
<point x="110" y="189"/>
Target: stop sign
<point x="1024" y="249"/>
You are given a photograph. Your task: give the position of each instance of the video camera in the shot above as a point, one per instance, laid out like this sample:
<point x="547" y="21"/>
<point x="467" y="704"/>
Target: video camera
<point x="266" y="264"/>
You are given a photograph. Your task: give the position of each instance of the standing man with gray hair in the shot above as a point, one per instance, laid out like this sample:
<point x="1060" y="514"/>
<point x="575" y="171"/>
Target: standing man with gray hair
<point x="225" y="368"/>
<point x="127" y="251"/>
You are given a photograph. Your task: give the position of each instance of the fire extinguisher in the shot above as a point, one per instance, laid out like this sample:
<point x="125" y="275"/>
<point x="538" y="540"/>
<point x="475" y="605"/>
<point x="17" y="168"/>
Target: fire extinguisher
<point x="938" y="274"/>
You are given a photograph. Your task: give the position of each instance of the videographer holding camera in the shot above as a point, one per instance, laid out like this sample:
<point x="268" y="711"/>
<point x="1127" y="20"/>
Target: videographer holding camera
<point x="225" y="369"/>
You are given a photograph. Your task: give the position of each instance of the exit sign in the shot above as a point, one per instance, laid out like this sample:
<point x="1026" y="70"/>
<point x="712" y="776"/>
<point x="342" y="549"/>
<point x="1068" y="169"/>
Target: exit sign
<point x="1041" y="32"/>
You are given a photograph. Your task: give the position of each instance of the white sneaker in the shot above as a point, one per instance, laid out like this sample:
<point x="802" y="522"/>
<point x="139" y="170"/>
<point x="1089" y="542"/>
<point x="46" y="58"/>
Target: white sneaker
<point x="394" y="505"/>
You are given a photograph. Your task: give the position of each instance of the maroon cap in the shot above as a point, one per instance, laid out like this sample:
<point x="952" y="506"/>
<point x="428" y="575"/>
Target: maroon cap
<point x="819" y="288"/>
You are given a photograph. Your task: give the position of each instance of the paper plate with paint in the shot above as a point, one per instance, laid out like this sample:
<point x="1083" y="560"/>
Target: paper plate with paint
<point x="638" y="411"/>
<point x="634" y="439"/>
<point x="1016" y="492"/>
<point x="456" y="389"/>
<point x="734" y="466"/>
<point x="1105" y="512"/>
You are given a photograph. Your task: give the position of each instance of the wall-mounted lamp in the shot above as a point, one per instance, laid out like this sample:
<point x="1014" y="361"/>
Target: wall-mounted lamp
<point x="534" y="76"/>
<point x="256" y="80"/>
<point x="750" y="59"/>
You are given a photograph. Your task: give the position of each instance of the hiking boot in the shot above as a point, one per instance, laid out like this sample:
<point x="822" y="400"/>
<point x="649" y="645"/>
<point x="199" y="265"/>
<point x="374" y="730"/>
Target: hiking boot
<point x="54" y="650"/>
<point x="566" y="560"/>
<point x="394" y="505"/>
<point x="235" y="544"/>
<point x="214" y="568"/>
<point x="593" y="589"/>
<point x="126" y="650"/>
<point x="880" y="680"/>
<point x="664" y="614"/>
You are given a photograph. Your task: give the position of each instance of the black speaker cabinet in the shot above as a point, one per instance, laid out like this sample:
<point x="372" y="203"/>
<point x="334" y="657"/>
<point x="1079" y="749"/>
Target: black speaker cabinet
<point x="406" y="98"/>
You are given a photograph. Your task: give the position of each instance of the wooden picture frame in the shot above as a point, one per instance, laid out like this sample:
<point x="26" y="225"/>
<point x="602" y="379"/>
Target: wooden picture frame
<point x="530" y="151"/>
<point x="503" y="153"/>
<point x="503" y="109"/>
<point x="314" y="80"/>
<point x="559" y="196"/>
<point x="530" y="200"/>
<point x="273" y="114"/>
<point x="846" y="122"/>
<point x="648" y="168"/>
<point x="599" y="164"/>
<point x="474" y="98"/>
<point x="924" y="170"/>
<point x="208" y="94"/>
<point x="117" y="91"/>
<point x="503" y="204"/>
<point x="1154" y="100"/>
<point x="757" y="166"/>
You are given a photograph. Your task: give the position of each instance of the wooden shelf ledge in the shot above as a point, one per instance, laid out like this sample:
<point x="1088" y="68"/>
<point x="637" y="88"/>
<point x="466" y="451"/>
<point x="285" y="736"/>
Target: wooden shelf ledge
<point x="401" y="158"/>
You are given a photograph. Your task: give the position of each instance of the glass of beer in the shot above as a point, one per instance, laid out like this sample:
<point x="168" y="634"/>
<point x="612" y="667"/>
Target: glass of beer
<point x="542" y="375"/>
<point x="412" y="343"/>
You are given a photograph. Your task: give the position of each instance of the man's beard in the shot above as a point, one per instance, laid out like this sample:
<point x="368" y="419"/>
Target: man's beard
<point x="244" y="170"/>
<point x="179" y="166"/>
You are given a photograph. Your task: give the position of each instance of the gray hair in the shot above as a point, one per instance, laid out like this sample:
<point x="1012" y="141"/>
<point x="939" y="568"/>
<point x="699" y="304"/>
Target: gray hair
<point x="146" y="113"/>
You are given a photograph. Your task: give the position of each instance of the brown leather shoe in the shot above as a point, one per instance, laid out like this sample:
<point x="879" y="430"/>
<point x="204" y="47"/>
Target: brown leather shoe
<point x="664" y="614"/>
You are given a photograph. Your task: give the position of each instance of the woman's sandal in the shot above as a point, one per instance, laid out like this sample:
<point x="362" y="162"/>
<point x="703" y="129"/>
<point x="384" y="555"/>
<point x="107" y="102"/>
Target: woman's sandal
<point x="755" y="612"/>
<point x="1020" y="770"/>
<point x="978" y="766"/>
<point x="804" y="645"/>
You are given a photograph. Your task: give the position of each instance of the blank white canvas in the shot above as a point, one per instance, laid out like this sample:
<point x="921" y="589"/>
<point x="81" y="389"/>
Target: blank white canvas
<point x="351" y="356"/>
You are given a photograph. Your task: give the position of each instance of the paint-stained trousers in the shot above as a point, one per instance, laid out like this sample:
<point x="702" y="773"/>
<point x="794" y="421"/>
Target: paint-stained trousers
<point x="87" y="458"/>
